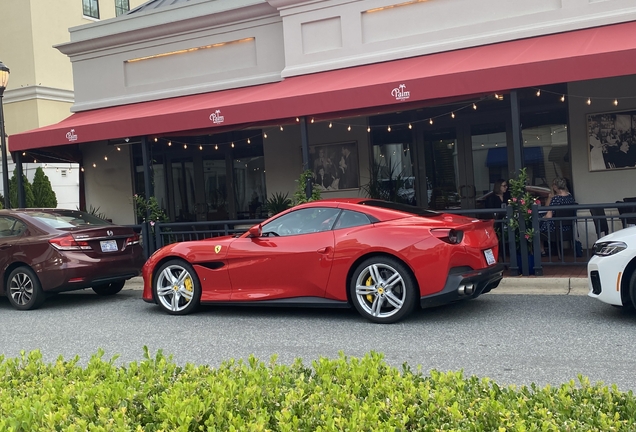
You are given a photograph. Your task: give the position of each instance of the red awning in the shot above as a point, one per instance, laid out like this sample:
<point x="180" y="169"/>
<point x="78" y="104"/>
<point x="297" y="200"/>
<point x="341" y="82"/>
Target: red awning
<point x="565" y="57"/>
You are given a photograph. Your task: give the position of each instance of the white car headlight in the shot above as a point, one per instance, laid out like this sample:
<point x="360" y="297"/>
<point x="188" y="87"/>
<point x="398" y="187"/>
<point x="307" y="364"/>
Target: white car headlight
<point x="609" y="248"/>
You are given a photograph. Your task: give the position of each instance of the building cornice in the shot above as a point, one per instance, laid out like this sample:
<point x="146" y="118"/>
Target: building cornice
<point x="38" y="92"/>
<point x="161" y="23"/>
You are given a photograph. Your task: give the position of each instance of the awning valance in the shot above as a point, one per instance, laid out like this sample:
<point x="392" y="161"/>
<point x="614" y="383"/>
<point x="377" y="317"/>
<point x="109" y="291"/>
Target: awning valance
<point x="572" y="56"/>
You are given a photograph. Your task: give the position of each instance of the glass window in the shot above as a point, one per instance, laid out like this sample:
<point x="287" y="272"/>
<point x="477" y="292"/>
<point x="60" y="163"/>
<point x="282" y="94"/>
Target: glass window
<point x="68" y="219"/>
<point x="350" y="219"/>
<point x="90" y="8"/>
<point x="121" y="7"/>
<point x="10" y="227"/>
<point x="392" y="176"/>
<point x="302" y="221"/>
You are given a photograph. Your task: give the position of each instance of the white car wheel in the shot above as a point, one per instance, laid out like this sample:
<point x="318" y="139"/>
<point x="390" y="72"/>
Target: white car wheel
<point x="177" y="287"/>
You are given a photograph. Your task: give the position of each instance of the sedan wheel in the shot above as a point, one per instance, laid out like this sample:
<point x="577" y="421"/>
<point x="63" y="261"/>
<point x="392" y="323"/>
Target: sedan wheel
<point x="383" y="290"/>
<point x="177" y="287"/>
<point x="24" y="289"/>
<point x="109" y="288"/>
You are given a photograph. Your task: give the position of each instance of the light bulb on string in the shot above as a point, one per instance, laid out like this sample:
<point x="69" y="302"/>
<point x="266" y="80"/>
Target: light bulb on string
<point x="155" y="139"/>
<point x="539" y="92"/>
<point x="474" y="106"/>
<point x="430" y="120"/>
<point x="185" y="146"/>
<point x="452" y="115"/>
<point x="248" y="141"/>
<point x="169" y="143"/>
<point x="615" y="102"/>
<point x="35" y="161"/>
<point x="94" y="165"/>
<point x="82" y="169"/>
<point x="232" y="145"/>
<point x="216" y="146"/>
<point x="389" y="128"/>
<point x="563" y="98"/>
<point x="105" y="158"/>
<point x="312" y="119"/>
<point x="349" y="128"/>
<point x="589" y="101"/>
<point x="200" y="147"/>
<point x="281" y="128"/>
<point x="23" y="153"/>
<point x="410" y="126"/>
<point x="368" y="128"/>
<point x="264" y="135"/>
<point x="297" y="119"/>
<point x="118" y="148"/>
<point x="330" y="125"/>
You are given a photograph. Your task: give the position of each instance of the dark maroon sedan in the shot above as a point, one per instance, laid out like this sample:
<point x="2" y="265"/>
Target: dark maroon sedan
<point x="53" y="250"/>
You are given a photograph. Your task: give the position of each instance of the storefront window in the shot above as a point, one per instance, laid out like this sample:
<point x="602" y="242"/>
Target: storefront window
<point x="249" y="187"/>
<point x="392" y="173"/>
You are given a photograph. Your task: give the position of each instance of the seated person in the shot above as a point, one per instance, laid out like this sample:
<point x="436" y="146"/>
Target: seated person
<point x="497" y="199"/>
<point x="559" y="195"/>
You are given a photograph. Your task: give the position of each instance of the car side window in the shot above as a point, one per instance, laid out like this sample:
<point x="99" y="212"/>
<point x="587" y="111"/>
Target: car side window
<point x="350" y="219"/>
<point x="10" y="227"/>
<point x="304" y="221"/>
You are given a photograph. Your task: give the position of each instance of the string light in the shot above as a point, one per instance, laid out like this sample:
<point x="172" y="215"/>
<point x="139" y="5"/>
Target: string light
<point x="453" y="115"/>
<point x="200" y="147"/>
<point x="615" y="102"/>
<point x="281" y="128"/>
<point x="297" y="119"/>
<point x="589" y="101"/>
<point x="216" y="147"/>
<point x="410" y="126"/>
<point x="539" y="92"/>
<point x="118" y="148"/>
<point x="430" y="120"/>
<point x="330" y="125"/>
<point x="349" y="128"/>
<point x="169" y="143"/>
<point x="312" y="119"/>
<point x="368" y="128"/>
<point x="563" y="98"/>
<point x="248" y="141"/>
<point x="389" y="128"/>
<point x="82" y="169"/>
<point x="94" y="165"/>
<point x="264" y="135"/>
<point x="105" y="158"/>
<point x="155" y="139"/>
<point x="232" y="145"/>
<point x="474" y="106"/>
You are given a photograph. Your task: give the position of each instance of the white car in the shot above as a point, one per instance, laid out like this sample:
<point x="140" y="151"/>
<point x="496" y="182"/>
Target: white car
<point x="612" y="270"/>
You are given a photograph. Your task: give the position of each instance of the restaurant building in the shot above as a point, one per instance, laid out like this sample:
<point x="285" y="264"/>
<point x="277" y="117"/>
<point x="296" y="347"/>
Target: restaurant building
<point x="212" y="106"/>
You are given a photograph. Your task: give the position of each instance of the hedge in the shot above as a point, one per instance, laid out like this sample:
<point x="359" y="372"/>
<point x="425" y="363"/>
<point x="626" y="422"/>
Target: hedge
<point x="347" y="393"/>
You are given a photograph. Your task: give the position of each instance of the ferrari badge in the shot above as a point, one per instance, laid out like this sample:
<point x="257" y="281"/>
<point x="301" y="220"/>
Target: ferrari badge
<point x="217" y="248"/>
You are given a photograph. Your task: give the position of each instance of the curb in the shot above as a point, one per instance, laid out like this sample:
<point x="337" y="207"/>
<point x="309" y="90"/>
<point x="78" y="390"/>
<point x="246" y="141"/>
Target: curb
<point x="509" y="285"/>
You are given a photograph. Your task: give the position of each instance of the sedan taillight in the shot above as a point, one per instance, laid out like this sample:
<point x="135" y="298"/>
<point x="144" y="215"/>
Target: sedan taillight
<point x="68" y="243"/>
<point x="132" y="240"/>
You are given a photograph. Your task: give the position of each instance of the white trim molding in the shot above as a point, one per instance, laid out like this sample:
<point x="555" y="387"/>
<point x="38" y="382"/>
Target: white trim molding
<point x="38" y="92"/>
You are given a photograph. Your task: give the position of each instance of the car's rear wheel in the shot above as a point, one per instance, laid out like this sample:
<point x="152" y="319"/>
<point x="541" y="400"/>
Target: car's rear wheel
<point x="383" y="290"/>
<point x="24" y="289"/>
<point x="109" y="288"/>
<point x="177" y="287"/>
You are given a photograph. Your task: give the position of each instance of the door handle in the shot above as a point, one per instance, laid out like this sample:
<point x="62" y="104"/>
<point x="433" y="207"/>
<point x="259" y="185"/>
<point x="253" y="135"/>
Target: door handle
<point x="5" y="246"/>
<point x="324" y="250"/>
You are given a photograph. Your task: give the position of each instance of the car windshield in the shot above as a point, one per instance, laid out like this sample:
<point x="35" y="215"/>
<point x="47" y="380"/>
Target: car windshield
<point x="68" y="219"/>
<point x="405" y="208"/>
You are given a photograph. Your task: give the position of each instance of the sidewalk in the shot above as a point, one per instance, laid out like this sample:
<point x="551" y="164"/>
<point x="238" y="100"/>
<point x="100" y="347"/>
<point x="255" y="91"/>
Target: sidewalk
<point x="528" y="285"/>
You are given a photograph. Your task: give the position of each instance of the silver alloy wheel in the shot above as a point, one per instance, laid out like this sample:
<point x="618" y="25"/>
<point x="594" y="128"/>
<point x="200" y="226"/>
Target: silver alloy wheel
<point x="21" y="288"/>
<point x="380" y="290"/>
<point x="175" y="288"/>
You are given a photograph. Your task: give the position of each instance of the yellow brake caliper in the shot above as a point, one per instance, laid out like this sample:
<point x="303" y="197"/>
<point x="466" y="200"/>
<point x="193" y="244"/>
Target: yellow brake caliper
<point x="188" y="284"/>
<point x="369" y="283"/>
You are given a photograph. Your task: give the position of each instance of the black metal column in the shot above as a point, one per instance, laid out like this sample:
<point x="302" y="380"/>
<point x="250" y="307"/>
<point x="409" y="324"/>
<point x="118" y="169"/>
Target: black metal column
<point x="147" y="167"/>
<point x="517" y="142"/>
<point x="304" y="142"/>
<point x="5" y="152"/>
<point x="18" y="164"/>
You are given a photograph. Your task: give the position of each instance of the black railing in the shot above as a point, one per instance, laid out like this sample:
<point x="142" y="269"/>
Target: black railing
<point x="582" y="223"/>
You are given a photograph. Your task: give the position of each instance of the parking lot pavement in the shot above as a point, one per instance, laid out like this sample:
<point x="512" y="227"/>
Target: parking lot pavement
<point x="532" y="285"/>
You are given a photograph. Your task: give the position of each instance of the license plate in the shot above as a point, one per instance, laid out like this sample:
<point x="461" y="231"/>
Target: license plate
<point x="108" y="245"/>
<point x="490" y="257"/>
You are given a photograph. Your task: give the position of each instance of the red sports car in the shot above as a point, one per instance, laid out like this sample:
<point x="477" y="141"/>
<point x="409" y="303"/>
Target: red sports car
<point x="381" y="257"/>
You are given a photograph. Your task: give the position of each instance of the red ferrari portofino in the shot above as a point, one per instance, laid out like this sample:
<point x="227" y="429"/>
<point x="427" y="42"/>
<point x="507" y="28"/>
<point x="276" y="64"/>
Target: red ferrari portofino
<point x="380" y="257"/>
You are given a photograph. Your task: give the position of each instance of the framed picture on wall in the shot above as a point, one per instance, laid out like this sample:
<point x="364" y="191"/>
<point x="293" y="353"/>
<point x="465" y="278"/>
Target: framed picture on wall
<point x="335" y="166"/>
<point x="611" y="140"/>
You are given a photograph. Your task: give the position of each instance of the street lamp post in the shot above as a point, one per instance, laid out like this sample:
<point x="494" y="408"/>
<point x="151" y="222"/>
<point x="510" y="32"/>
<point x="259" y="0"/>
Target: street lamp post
<point x="4" y="79"/>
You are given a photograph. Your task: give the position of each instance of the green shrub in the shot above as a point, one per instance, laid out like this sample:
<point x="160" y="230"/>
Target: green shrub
<point x="357" y="394"/>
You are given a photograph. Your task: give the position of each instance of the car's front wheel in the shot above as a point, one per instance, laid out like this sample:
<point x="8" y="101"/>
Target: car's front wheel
<point x="24" y="289"/>
<point x="177" y="287"/>
<point x="383" y="290"/>
<point x="632" y="288"/>
<point x="109" y="288"/>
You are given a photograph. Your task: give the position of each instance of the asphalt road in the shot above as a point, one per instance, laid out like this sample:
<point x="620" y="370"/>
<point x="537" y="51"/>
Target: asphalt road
<point x="514" y="339"/>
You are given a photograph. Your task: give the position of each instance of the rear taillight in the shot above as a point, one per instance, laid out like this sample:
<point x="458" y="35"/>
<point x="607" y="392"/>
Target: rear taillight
<point x="68" y="243"/>
<point x="132" y="240"/>
<point x="448" y="235"/>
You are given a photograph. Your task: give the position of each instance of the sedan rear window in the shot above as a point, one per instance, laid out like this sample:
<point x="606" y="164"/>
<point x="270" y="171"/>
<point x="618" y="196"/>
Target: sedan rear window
<point x="68" y="219"/>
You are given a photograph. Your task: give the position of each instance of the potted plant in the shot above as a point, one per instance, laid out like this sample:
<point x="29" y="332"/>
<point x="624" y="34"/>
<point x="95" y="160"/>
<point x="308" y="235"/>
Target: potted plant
<point x="277" y="203"/>
<point x="521" y="202"/>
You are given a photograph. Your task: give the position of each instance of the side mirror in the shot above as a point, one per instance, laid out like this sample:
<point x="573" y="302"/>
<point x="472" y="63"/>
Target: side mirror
<point x="256" y="231"/>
